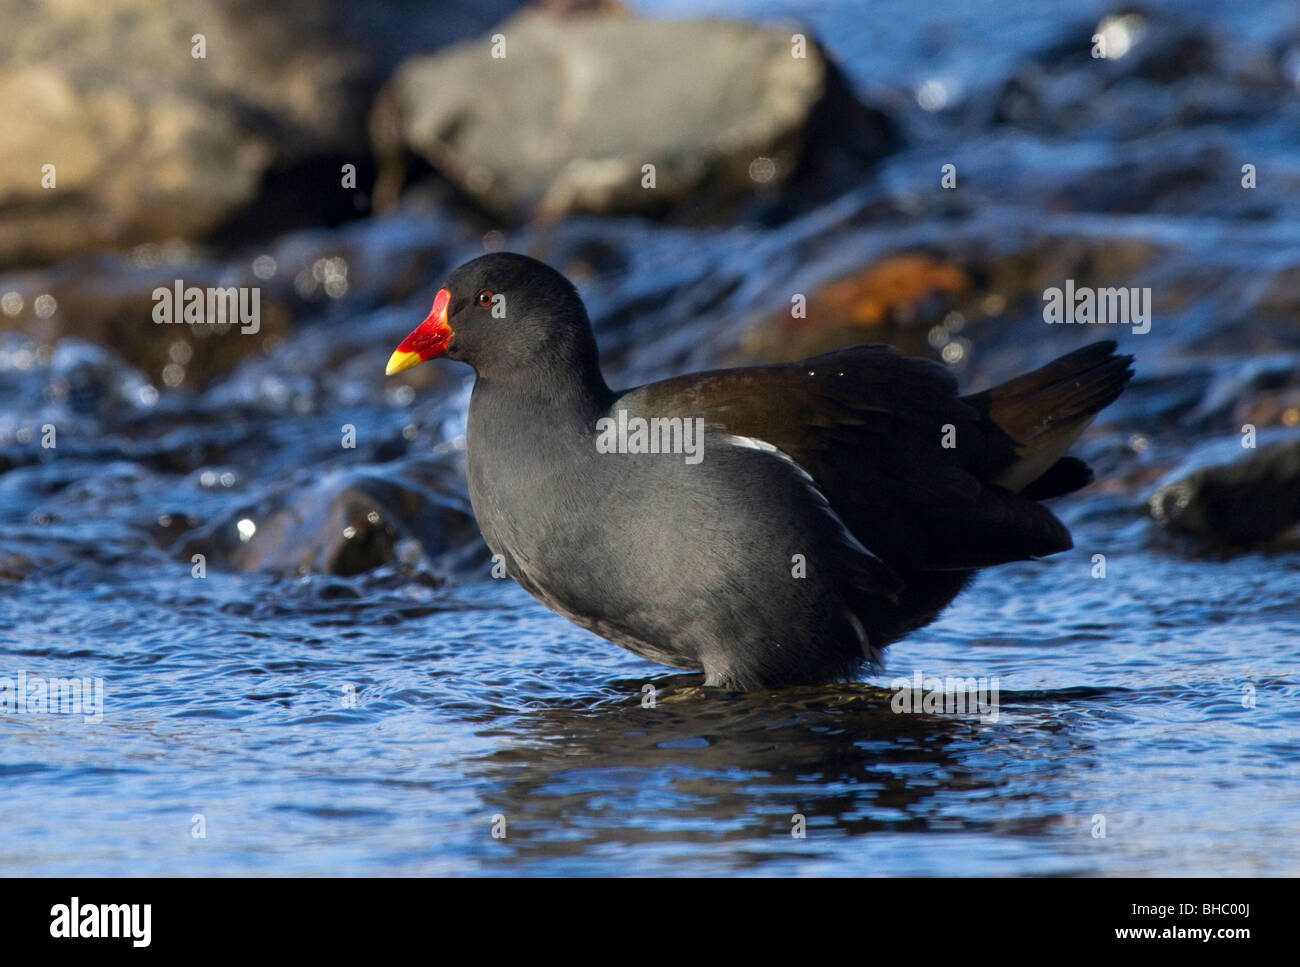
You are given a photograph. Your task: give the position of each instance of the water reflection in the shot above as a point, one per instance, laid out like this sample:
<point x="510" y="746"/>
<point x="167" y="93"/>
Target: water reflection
<point x="718" y="768"/>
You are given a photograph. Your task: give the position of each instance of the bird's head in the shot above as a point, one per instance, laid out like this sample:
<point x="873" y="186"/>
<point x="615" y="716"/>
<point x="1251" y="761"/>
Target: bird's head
<point x="499" y="313"/>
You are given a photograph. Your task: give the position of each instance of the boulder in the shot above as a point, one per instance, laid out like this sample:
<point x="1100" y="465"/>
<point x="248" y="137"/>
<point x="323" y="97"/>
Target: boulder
<point x="149" y="141"/>
<point x="551" y="114"/>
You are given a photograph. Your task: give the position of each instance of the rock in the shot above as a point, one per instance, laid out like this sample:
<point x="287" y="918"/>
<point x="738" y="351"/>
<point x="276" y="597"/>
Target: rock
<point x="109" y="300"/>
<point x="907" y="299"/>
<point x="15" y="566"/>
<point x="891" y="289"/>
<point x="90" y="379"/>
<point x="1242" y="502"/>
<point x="303" y="276"/>
<point x="150" y="142"/>
<point x="1261" y="390"/>
<point x="566" y="121"/>
<point x="350" y="522"/>
<point x="1158" y="73"/>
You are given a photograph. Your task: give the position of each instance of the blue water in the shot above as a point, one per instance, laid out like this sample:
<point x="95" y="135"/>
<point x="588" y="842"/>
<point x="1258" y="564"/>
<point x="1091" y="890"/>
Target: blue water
<point x="1118" y="699"/>
<point x="388" y="723"/>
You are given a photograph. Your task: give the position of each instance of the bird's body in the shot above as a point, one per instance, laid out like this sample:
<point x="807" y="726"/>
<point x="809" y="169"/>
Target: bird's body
<point x="688" y="565"/>
<point x="820" y="511"/>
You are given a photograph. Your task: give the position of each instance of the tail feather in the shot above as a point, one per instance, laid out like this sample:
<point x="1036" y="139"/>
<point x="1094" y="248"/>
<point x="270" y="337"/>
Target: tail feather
<point x="1063" y="477"/>
<point x="1043" y="412"/>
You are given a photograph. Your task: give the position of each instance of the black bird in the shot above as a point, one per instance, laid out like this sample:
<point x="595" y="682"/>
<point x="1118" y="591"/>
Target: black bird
<point x="788" y="521"/>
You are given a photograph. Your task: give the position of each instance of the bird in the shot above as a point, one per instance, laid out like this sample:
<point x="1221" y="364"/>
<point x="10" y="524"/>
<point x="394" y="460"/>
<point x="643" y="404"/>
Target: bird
<point x="768" y="526"/>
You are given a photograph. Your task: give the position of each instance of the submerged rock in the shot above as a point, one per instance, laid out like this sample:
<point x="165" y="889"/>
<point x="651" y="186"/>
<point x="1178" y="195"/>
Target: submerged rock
<point x="555" y="114"/>
<point x="347" y="523"/>
<point x="1243" y="502"/>
<point x="14" y="566"/>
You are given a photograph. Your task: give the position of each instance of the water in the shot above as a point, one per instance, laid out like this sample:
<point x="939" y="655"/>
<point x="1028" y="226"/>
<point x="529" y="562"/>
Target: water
<point x="225" y="700"/>
<point x="380" y="723"/>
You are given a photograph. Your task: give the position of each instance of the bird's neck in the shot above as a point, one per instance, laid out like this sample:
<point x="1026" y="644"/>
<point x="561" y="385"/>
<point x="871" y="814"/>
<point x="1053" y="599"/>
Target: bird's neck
<point x="573" y="394"/>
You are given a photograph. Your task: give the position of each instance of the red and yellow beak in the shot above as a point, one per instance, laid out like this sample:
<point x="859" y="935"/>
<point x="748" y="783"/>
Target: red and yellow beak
<point x="428" y="341"/>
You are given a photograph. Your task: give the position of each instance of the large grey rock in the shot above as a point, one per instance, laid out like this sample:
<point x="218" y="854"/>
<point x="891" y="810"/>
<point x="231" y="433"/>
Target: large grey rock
<point x="580" y="103"/>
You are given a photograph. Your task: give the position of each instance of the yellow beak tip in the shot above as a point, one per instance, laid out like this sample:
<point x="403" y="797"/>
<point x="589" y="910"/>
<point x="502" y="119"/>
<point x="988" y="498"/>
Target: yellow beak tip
<point x="400" y="361"/>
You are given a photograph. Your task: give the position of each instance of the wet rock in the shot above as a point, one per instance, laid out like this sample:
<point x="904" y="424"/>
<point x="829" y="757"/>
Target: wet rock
<point x="109" y="300"/>
<point x="1262" y="391"/>
<point x="567" y="119"/>
<point x="912" y="300"/>
<point x="66" y="402"/>
<point x="350" y="522"/>
<point x="1181" y="180"/>
<point x="1155" y="74"/>
<point x="890" y="290"/>
<point x="1242" y="502"/>
<point x="14" y="566"/>
<point x="89" y="379"/>
<point x="310" y="274"/>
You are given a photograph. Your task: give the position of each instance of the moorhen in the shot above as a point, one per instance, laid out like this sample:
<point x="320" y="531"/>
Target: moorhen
<point x="769" y="526"/>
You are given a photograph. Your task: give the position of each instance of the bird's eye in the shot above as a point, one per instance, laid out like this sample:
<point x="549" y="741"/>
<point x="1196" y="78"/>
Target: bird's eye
<point x="485" y="297"/>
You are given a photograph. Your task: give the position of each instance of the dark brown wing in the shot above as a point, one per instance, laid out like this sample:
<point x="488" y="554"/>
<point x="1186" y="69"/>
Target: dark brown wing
<point x="904" y="461"/>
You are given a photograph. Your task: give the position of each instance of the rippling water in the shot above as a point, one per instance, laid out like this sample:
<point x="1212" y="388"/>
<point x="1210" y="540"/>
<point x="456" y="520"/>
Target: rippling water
<point x="1120" y="698"/>
<point x="382" y="723"/>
